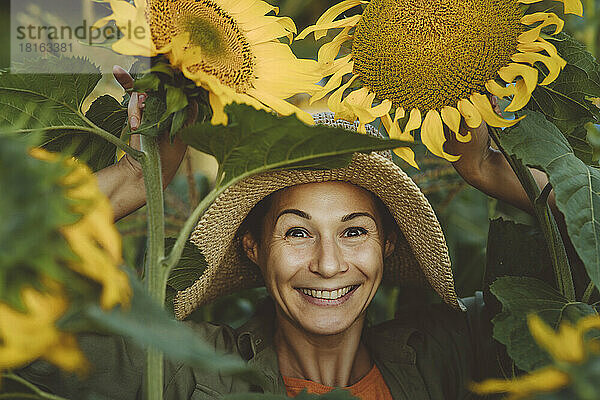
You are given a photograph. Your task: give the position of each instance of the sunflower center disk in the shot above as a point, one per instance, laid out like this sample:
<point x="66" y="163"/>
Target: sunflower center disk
<point x="427" y="54"/>
<point x="225" y="50"/>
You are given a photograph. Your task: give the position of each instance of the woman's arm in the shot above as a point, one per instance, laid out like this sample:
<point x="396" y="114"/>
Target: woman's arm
<point x="487" y="169"/>
<point x="123" y="182"/>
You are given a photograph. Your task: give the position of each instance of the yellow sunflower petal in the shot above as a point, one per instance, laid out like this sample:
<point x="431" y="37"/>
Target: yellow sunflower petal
<point x="451" y="118"/>
<point x="327" y="18"/>
<point x="94" y="238"/>
<point x="523" y="91"/>
<point x="589" y="322"/>
<point x="334" y="102"/>
<point x="539" y="45"/>
<point x="470" y="113"/>
<point x="414" y="120"/>
<point x="482" y="104"/>
<point x="564" y="345"/>
<point x="271" y="31"/>
<point x="329" y="51"/>
<point x="360" y="103"/>
<point x="280" y="74"/>
<point x="249" y="9"/>
<point x="333" y="82"/>
<point x="392" y="127"/>
<point x="554" y="64"/>
<point x="338" y="63"/>
<point x="432" y="135"/>
<point x="541" y="381"/>
<point x="407" y="155"/>
<point x="67" y="355"/>
<point x="546" y="19"/>
<point x="500" y="90"/>
<point x="27" y="336"/>
<point x="321" y="30"/>
<point x="281" y="106"/>
<point x="571" y="6"/>
<point x="219" y="116"/>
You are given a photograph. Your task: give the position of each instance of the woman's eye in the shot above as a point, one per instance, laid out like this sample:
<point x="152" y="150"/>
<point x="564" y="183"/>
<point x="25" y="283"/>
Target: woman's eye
<point x="297" y="232"/>
<point x="354" y="232"/>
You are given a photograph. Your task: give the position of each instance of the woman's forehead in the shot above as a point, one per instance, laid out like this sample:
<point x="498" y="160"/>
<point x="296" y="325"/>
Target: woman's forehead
<point x="324" y="196"/>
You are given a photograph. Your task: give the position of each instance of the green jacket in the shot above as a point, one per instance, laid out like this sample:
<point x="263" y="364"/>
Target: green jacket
<point x="427" y="353"/>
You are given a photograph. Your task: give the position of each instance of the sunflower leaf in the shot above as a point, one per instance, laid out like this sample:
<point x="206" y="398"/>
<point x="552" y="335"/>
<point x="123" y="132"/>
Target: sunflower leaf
<point x="45" y="101"/>
<point x="566" y="102"/>
<point x="538" y="143"/>
<point x="49" y="102"/>
<point x="108" y="114"/>
<point x="257" y="141"/>
<point x="155" y="119"/>
<point x="188" y="269"/>
<point x="521" y="296"/>
<point x="147" y="324"/>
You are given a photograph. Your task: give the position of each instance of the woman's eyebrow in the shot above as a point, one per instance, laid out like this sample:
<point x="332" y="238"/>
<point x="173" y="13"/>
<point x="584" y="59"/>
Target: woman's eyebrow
<point x="294" y="211"/>
<point x="356" y="215"/>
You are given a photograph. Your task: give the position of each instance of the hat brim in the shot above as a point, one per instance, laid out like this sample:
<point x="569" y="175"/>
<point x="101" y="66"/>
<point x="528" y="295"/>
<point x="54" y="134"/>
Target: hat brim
<point x="420" y="256"/>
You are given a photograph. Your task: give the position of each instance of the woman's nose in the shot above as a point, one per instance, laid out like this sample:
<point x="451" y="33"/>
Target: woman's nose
<point x="329" y="259"/>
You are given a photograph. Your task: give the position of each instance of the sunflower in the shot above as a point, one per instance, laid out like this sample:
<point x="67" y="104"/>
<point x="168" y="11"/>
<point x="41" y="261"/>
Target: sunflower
<point x="231" y="48"/>
<point x="429" y="63"/>
<point x="26" y="336"/>
<point x="93" y="237"/>
<point x="568" y="347"/>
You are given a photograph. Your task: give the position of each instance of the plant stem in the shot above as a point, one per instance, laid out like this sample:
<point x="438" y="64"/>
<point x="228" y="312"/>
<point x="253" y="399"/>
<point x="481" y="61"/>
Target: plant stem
<point x="558" y="254"/>
<point x="29" y="385"/>
<point x="155" y="271"/>
<point x="587" y="295"/>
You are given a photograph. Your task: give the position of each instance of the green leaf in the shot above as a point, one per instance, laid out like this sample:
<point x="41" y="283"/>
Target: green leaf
<point x="538" y="143"/>
<point x="564" y="102"/>
<point x="516" y="250"/>
<point x="189" y="268"/>
<point x="147" y="83"/>
<point x="147" y="324"/>
<point x="521" y="296"/>
<point x="154" y="119"/>
<point x="176" y="99"/>
<point x="108" y="114"/>
<point x="44" y="101"/>
<point x="257" y="141"/>
<point x="178" y="121"/>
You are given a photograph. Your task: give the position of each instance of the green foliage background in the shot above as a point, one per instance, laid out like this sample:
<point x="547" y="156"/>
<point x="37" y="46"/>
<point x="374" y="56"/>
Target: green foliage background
<point x="464" y="212"/>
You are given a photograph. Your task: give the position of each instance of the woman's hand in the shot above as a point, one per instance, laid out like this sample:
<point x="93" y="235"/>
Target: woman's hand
<point x="487" y="170"/>
<point x="123" y="182"/>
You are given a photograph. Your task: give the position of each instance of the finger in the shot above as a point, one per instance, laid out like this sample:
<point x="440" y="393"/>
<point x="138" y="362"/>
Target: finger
<point x="123" y="77"/>
<point x="134" y="141"/>
<point x="134" y="112"/>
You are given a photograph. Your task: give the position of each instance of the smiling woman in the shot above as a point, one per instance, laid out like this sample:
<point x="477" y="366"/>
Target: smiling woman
<point x="322" y="241"/>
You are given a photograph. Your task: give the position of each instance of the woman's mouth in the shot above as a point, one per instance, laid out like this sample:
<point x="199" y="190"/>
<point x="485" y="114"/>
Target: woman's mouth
<point x="327" y="297"/>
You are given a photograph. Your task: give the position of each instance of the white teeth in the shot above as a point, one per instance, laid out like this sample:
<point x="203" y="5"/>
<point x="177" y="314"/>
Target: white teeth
<point x="327" y="294"/>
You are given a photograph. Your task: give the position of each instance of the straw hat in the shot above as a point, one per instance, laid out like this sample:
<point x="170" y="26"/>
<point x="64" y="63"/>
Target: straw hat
<point x="421" y="254"/>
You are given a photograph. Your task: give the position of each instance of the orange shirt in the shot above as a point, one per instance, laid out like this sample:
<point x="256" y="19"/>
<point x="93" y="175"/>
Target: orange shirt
<point x="370" y="387"/>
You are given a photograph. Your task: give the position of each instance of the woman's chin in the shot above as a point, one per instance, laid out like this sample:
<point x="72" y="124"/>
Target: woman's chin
<point x="326" y="323"/>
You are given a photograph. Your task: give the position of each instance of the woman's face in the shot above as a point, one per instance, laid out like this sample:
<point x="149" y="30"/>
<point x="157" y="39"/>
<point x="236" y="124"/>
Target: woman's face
<point x="321" y="254"/>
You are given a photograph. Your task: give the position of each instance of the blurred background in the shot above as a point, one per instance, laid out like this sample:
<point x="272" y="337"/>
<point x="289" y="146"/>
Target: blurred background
<point x="463" y="211"/>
